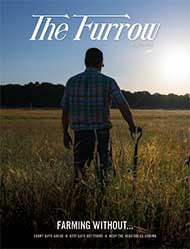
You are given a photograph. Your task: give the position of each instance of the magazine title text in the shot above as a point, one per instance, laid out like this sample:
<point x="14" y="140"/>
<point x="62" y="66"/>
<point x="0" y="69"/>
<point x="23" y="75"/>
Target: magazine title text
<point x="93" y="27"/>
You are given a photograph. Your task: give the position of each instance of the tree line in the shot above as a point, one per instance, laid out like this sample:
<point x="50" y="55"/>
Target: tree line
<point x="41" y="95"/>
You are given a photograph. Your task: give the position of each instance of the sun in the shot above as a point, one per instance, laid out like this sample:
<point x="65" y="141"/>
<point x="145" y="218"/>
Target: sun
<point x="175" y="66"/>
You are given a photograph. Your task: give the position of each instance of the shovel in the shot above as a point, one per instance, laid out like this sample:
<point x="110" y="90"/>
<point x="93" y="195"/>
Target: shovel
<point x="136" y="137"/>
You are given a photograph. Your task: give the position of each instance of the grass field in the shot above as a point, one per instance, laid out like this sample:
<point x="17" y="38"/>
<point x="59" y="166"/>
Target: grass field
<point x="37" y="175"/>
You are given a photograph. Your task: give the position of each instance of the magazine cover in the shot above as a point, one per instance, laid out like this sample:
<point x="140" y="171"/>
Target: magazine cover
<point x="95" y="124"/>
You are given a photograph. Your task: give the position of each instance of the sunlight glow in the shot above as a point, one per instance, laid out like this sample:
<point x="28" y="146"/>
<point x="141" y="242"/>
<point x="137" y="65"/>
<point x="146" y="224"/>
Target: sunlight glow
<point x="175" y="66"/>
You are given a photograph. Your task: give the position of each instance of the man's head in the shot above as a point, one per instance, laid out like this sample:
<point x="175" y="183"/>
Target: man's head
<point x="94" y="58"/>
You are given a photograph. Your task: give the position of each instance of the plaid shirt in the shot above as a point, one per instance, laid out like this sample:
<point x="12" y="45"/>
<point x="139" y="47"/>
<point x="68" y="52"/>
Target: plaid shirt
<point x="88" y="96"/>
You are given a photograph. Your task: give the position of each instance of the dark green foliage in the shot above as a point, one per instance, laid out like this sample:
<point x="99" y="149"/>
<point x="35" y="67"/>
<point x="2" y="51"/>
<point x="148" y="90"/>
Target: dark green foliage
<point x="49" y="95"/>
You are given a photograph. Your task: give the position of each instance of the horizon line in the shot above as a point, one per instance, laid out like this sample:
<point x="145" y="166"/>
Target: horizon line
<point x="132" y="91"/>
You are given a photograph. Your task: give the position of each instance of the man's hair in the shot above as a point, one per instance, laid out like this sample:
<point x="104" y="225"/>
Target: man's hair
<point x="93" y="57"/>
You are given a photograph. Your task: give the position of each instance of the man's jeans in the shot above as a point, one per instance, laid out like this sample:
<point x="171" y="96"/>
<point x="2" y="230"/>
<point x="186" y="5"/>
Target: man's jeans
<point x="84" y="145"/>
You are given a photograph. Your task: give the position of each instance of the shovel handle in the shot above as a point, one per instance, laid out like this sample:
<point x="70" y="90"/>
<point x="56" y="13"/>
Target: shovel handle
<point x="137" y="134"/>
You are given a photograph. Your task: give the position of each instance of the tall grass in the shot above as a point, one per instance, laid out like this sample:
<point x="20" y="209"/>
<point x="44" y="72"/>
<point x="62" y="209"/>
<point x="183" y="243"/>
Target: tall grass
<point x="37" y="175"/>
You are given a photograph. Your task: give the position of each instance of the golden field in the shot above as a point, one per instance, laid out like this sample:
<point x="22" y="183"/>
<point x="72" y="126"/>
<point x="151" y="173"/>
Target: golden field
<point x="37" y="175"/>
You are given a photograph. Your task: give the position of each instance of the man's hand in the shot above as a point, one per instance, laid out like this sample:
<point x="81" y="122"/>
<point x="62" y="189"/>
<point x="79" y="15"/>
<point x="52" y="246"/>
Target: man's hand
<point x="67" y="141"/>
<point x="135" y="129"/>
<point x="132" y="129"/>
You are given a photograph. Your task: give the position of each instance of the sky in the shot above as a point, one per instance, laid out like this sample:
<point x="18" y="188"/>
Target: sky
<point x="155" y="66"/>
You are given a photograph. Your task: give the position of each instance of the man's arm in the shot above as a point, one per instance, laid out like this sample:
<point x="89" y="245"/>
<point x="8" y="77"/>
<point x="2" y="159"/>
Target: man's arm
<point x="122" y="105"/>
<point x="65" y="118"/>
<point x="65" y="123"/>
<point x="127" y="115"/>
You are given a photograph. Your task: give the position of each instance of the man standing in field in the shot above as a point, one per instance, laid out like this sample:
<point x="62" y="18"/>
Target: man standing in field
<point x="86" y="107"/>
